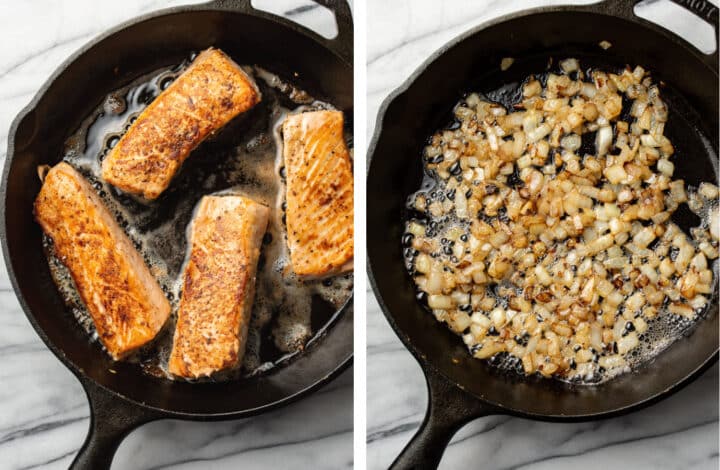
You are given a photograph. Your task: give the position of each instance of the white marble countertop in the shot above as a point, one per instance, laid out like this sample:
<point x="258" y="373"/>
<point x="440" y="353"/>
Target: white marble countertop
<point x="43" y="409"/>
<point x="679" y="433"/>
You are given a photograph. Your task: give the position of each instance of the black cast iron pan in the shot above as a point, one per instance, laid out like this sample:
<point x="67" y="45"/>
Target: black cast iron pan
<point x="127" y="398"/>
<point x="460" y="387"/>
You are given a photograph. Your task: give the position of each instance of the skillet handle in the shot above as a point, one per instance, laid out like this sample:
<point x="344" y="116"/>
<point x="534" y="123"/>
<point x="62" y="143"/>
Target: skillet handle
<point x="707" y="11"/>
<point x="111" y="419"/>
<point x="449" y="409"/>
<point x="342" y="44"/>
<point x="703" y="9"/>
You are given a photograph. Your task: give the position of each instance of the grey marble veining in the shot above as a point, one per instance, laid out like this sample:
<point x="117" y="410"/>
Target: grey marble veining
<point x="43" y="409"/>
<point x="679" y="433"/>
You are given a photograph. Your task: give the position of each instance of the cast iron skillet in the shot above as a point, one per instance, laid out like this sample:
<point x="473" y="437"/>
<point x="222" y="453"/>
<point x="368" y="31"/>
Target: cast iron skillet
<point x="122" y="401"/>
<point x="462" y="388"/>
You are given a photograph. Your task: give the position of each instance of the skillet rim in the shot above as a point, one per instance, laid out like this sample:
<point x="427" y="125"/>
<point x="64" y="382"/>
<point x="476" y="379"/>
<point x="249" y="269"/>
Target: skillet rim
<point x="89" y="384"/>
<point x="426" y="366"/>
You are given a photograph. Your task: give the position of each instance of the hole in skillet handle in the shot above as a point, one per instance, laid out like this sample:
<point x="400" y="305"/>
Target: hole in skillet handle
<point x="337" y="35"/>
<point x="340" y="39"/>
<point x="449" y="409"/>
<point x="313" y="15"/>
<point x="703" y="9"/>
<point x="112" y="418"/>
<point x="692" y="22"/>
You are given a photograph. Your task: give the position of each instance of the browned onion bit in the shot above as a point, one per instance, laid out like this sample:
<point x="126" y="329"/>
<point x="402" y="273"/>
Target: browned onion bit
<point x="557" y="257"/>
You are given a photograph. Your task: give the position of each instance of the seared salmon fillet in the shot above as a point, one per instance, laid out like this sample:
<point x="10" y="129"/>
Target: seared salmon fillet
<point x="319" y="193"/>
<point x="218" y="285"/>
<point x="210" y="93"/>
<point x="126" y="303"/>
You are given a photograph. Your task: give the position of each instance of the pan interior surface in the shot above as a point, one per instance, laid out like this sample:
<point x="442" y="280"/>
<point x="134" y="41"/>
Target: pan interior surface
<point x="473" y="64"/>
<point x="113" y="62"/>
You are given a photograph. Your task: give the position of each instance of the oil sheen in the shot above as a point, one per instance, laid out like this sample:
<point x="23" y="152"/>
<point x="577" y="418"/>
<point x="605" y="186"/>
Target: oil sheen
<point x="663" y="330"/>
<point x="243" y="158"/>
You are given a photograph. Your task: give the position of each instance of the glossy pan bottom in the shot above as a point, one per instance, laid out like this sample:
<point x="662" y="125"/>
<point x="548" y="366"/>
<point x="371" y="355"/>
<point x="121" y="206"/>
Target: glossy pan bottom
<point x="465" y="387"/>
<point x="125" y="397"/>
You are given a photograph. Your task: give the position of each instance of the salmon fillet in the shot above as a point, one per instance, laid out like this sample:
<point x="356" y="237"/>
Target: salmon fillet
<point x="126" y="303"/>
<point x="319" y="194"/>
<point x="218" y="285"/>
<point x="210" y="93"/>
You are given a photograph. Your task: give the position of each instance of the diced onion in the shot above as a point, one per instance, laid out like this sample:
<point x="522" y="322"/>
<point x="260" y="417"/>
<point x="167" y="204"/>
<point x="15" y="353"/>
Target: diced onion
<point x="535" y="247"/>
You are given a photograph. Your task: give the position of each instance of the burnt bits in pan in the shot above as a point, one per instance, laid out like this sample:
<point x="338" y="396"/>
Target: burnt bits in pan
<point x="467" y="209"/>
<point x="289" y="314"/>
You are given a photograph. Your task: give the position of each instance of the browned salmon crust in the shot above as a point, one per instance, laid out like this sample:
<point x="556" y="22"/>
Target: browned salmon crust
<point x="211" y="92"/>
<point x="126" y="303"/>
<point x="219" y="286"/>
<point x="319" y="194"/>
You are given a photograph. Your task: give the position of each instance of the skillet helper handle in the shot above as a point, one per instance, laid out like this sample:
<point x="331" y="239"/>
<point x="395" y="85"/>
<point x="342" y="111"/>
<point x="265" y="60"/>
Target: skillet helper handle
<point x="111" y="419"/>
<point x="703" y="9"/>
<point x="449" y="409"/>
<point x="707" y="11"/>
<point x="342" y="44"/>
